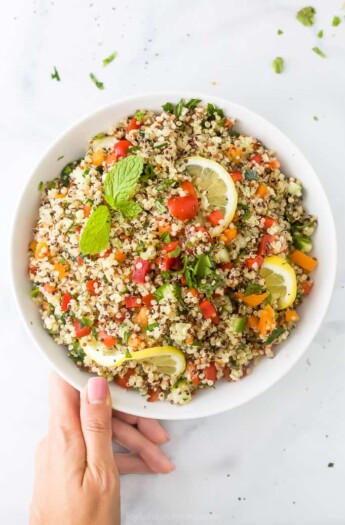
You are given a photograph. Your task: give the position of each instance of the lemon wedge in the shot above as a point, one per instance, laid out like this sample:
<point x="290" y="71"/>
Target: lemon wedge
<point x="280" y="279"/>
<point x="215" y="187"/>
<point x="168" y="360"/>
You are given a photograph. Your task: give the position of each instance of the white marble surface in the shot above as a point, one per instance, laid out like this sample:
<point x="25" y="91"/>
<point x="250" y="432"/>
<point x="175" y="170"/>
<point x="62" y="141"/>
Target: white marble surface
<point x="266" y="462"/>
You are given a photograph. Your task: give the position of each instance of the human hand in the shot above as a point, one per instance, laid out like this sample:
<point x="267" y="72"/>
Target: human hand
<point x="76" y="477"/>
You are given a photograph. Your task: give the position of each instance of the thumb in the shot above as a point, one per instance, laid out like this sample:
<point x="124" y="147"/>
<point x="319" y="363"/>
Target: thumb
<point x="95" y="416"/>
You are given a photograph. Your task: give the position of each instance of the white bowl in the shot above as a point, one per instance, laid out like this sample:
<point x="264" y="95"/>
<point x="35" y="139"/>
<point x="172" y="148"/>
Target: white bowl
<point x="224" y="396"/>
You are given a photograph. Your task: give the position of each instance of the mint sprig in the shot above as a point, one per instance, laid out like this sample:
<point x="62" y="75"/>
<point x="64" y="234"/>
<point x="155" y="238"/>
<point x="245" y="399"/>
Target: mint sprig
<point x="95" y="236"/>
<point x="120" y="183"/>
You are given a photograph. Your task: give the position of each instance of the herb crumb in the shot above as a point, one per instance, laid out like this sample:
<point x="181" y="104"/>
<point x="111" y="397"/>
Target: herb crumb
<point x="97" y="83"/>
<point x="330" y="465"/>
<point x="318" y="51"/>
<point x="109" y="59"/>
<point x="336" y="21"/>
<point x="280" y="32"/>
<point x="55" y="75"/>
<point x="315" y="117"/>
<point x="278" y="65"/>
<point x="306" y="16"/>
<point x="320" y="34"/>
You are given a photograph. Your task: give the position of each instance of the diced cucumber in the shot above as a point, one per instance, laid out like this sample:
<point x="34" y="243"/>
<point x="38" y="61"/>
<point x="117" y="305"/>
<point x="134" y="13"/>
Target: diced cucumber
<point x="165" y="292"/>
<point x="302" y="242"/>
<point x="295" y="188"/>
<point x="221" y="255"/>
<point x="237" y="324"/>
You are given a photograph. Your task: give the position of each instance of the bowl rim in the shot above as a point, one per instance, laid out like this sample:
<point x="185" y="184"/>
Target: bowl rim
<point x="219" y="101"/>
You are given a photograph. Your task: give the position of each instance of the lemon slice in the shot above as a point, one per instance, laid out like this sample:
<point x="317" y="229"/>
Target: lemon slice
<point x="215" y="187"/>
<point x="280" y="279"/>
<point x="167" y="359"/>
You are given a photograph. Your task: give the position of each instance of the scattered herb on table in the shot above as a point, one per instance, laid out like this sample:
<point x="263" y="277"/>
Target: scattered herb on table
<point x="97" y="83"/>
<point x="278" y="64"/>
<point x="320" y="34"/>
<point x="315" y="117"/>
<point x="109" y="59"/>
<point x="306" y="16"/>
<point x="336" y="21"/>
<point x="55" y="75"/>
<point x="318" y="51"/>
<point x="280" y="32"/>
<point x="330" y="465"/>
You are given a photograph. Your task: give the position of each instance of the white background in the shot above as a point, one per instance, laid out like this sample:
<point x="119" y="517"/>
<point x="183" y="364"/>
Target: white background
<point x="274" y="452"/>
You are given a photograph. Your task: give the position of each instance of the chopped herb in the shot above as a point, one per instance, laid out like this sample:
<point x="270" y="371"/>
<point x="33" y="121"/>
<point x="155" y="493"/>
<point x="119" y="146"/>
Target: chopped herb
<point x="139" y="115"/>
<point x="150" y="327"/>
<point x="66" y="172"/>
<point x="85" y="321"/>
<point x="330" y="465"/>
<point x="319" y="52"/>
<point x="212" y="110"/>
<point x="165" y="184"/>
<point x="253" y="288"/>
<point x="61" y="157"/>
<point x="175" y="253"/>
<point x="86" y="172"/>
<point x="77" y="354"/>
<point x="55" y="75"/>
<point x="126" y="335"/>
<point x="165" y="275"/>
<point x="147" y="173"/>
<point x="192" y="103"/>
<point x="35" y="292"/>
<point x="168" y="107"/>
<point x="133" y="148"/>
<point x="251" y="175"/>
<point x="274" y="335"/>
<point x="109" y="59"/>
<point x="179" y="108"/>
<point x="280" y="32"/>
<point x="160" y="207"/>
<point x="320" y="34"/>
<point x="97" y="83"/>
<point x="306" y="16"/>
<point x="315" y="117"/>
<point x="165" y="237"/>
<point x="336" y="21"/>
<point x="247" y="214"/>
<point x="278" y="64"/>
<point x="203" y="266"/>
<point x="51" y="184"/>
<point x="99" y="136"/>
<point x="40" y="186"/>
<point x="128" y="355"/>
<point x="161" y="145"/>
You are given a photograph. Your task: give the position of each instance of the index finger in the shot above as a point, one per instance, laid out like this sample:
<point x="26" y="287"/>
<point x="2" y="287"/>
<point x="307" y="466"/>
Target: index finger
<point x="64" y="405"/>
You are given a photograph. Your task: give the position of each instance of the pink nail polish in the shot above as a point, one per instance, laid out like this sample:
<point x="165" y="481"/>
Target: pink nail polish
<point x="97" y="390"/>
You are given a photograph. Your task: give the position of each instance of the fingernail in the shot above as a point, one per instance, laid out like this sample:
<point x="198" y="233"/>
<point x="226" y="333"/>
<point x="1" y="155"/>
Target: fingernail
<point x="97" y="390"/>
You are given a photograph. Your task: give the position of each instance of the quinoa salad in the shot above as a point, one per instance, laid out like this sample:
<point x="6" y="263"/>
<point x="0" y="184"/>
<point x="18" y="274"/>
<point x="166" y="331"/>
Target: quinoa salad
<point x="173" y="255"/>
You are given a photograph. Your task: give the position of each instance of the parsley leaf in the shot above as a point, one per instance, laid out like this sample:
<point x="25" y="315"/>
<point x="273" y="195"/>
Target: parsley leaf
<point x="253" y="288"/>
<point x="66" y="172"/>
<point x="139" y="115"/>
<point x="278" y="65"/>
<point x="109" y="59"/>
<point x="168" y="107"/>
<point x="319" y="52"/>
<point x="251" y="175"/>
<point x="203" y="266"/>
<point x="95" y="236"/>
<point x="306" y="16"/>
<point x="336" y="21"/>
<point x="147" y="173"/>
<point x="192" y="103"/>
<point x="165" y="237"/>
<point x="161" y="145"/>
<point x="274" y="335"/>
<point x="97" y="83"/>
<point x="150" y="327"/>
<point x="55" y="75"/>
<point x="179" y="108"/>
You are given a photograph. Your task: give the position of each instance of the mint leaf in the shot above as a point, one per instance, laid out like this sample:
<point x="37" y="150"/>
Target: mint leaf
<point x="168" y="107"/>
<point x="95" y="236"/>
<point x="109" y="59"/>
<point x="203" y="266"/>
<point x="129" y="209"/>
<point x="120" y="182"/>
<point x="278" y="65"/>
<point x="306" y="16"/>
